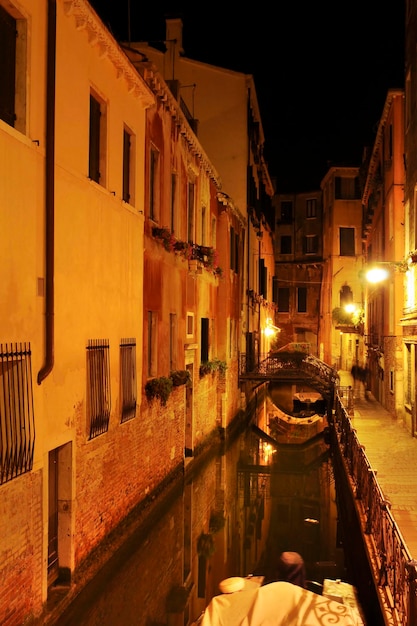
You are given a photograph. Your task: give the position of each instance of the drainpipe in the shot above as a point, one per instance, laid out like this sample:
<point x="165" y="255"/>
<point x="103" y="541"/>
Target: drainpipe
<point x="49" y="194"/>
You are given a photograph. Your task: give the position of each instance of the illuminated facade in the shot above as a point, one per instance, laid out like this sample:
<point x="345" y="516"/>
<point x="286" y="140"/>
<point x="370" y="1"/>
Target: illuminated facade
<point x="383" y="238"/>
<point x="123" y="282"/>
<point x="71" y="305"/>
<point x="409" y="321"/>
<point x="298" y="266"/>
<point x="340" y="338"/>
<point x="222" y="108"/>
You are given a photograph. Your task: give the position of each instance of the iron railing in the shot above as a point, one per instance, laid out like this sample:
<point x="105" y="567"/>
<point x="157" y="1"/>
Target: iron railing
<point x="394" y="571"/>
<point x="128" y="385"/>
<point x="98" y="386"/>
<point x="17" y="420"/>
<point x="289" y="366"/>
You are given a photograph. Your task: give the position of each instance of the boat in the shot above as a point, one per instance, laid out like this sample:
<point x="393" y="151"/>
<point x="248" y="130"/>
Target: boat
<point x="289" y="601"/>
<point x="247" y="602"/>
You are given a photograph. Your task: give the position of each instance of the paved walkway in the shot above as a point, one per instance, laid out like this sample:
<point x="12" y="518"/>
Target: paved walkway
<point x="392" y="453"/>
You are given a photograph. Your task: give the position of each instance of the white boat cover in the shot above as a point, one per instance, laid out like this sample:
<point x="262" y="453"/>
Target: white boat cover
<point x="278" y="604"/>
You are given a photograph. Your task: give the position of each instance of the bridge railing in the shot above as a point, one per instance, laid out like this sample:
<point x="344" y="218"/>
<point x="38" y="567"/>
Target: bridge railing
<point x="395" y="572"/>
<point x="283" y="363"/>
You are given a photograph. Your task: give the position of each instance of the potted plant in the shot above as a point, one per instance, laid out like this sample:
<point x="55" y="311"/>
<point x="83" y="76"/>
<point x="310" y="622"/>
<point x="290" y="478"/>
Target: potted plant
<point x="217" y="521"/>
<point x="180" y="377"/>
<point x="208" y="367"/>
<point x="159" y="388"/>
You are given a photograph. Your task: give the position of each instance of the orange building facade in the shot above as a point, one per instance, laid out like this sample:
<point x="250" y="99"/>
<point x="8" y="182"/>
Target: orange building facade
<point x="384" y="240"/>
<point x="124" y="272"/>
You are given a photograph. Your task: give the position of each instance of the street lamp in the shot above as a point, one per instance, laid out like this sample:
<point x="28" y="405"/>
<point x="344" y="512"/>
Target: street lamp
<point x="271" y="330"/>
<point x="381" y="270"/>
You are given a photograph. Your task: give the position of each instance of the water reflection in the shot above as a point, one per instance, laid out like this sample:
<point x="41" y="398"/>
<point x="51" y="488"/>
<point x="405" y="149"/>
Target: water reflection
<point x="249" y="502"/>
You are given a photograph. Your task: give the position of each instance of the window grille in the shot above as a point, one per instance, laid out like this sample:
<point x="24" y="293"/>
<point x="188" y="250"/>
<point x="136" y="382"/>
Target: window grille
<point x="98" y="386"/>
<point x="17" y="422"/>
<point x="128" y="386"/>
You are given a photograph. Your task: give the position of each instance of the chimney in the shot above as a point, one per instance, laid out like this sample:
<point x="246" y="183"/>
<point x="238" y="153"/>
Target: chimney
<point x="174" y="32"/>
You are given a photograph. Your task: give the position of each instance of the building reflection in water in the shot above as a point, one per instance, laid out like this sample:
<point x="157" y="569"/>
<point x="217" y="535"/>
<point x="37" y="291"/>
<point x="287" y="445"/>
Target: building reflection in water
<point x="233" y="517"/>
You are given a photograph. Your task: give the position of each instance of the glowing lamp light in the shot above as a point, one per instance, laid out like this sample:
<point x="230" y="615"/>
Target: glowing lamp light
<point x="377" y="274"/>
<point x="270" y="330"/>
<point x="350" y="308"/>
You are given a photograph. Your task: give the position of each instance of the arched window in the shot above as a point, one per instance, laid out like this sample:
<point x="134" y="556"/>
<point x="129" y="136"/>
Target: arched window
<point x="346" y="296"/>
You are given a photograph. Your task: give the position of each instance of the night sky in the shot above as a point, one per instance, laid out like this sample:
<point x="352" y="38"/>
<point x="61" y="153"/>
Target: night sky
<point x="321" y="69"/>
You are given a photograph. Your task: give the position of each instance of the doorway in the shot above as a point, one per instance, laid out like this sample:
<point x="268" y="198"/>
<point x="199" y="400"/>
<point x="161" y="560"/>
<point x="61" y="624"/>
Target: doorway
<point x="59" y="514"/>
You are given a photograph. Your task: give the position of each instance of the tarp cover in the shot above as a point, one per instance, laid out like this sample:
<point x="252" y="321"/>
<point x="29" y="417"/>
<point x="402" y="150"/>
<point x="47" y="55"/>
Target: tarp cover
<point x="278" y="604"/>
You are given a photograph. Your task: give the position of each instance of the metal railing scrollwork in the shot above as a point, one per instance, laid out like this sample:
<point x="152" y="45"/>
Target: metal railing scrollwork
<point x="394" y="571"/>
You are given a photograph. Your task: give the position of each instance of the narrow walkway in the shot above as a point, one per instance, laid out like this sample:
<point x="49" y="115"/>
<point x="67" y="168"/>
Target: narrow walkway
<point x="392" y="453"/>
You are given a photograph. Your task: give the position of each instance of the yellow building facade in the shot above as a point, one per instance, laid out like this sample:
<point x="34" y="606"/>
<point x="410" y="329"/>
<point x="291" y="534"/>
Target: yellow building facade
<point x="340" y="341"/>
<point x="384" y="241"/>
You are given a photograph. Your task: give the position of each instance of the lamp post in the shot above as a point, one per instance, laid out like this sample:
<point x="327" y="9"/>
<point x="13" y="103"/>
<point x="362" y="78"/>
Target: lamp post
<point x="382" y="317"/>
<point x="381" y="270"/>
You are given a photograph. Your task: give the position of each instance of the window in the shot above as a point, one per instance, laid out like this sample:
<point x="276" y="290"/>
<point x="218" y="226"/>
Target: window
<point x="17" y="422"/>
<point x="213" y="234"/>
<point x="263" y="279"/>
<point x="128" y="167"/>
<point x="98" y="386"/>
<point x="283" y="299"/>
<point x="408" y="374"/>
<point x="302" y="299"/>
<point x="286" y="244"/>
<point x="13" y="39"/>
<point x="190" y="325"/>
<point x="311" y="244"/>
<point x="152" y="343"/>
<point x="346" y="295"/>
<point x="347" y="241"/>
<point x="347" y="188"/>
<point x="191" y="213"/>
<point x="311" y="208"/>
<point x="286" y="212"/>
<point x="173" y="336"/>
<point x="154" y="191"/>
<point x="97" y="163"/>
<point x="203" y="225"/>
<point x="234" y="250"/>
<point x="204" y="344"/>
<point x="232" y="338"/>
<point x="173" y="201"/>
<point x="128" y="387"/>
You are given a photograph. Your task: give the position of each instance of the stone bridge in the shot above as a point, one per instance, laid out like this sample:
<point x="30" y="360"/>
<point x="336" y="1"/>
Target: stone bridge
<point x="290" y="367"/>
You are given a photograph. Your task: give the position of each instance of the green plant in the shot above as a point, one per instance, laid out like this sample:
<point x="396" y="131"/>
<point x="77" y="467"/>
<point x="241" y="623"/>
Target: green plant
<point x="215" y="365"/>
<point x="347" y="318"/>
<point x="180" y="377"/>
<point x="217" y="521"/>
<point x="159" y="388"/>
<point x="205" y="545"/>
<point x="165" y="236"/>
<point x="221" y="366"/>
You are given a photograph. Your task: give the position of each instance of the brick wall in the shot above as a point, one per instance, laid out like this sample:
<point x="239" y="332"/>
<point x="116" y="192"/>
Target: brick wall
<point x="21" y="549"/>
<point x="118" y="470"/>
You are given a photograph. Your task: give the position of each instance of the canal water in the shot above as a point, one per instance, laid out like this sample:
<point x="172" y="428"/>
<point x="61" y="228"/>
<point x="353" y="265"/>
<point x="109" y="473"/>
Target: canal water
<point x="248" y="501"/>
